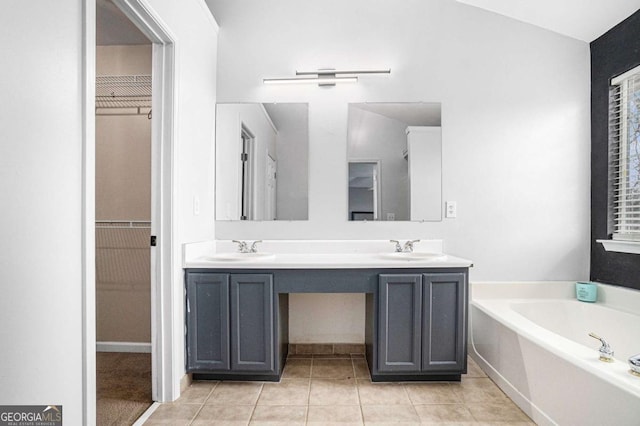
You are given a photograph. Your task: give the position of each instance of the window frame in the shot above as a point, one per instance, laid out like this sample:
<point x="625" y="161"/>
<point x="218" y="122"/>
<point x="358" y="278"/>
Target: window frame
<point x="624" y="237"/>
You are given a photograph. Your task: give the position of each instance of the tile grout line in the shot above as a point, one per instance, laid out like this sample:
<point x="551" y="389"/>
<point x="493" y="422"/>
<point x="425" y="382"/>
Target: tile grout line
<point x="203" y="403"/>
<point x="358" y="392"/>
<point x="455" y="388"/>
<point x="255" y="405"/>
<point x="309" y="394"/>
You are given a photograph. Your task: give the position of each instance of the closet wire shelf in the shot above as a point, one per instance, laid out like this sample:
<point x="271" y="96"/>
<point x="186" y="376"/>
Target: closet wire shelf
<point x="130" y="93"/>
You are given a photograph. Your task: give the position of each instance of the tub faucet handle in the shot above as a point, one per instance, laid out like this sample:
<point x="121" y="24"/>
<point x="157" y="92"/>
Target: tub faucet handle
<point x="398" y="246"/>
<point x="634" y="363"/>
<point x="606" y="353"/>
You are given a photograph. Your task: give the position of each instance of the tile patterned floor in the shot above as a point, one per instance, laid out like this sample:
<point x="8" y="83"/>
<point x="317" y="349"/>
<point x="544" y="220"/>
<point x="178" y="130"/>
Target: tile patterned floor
<point x="333" y="390"/>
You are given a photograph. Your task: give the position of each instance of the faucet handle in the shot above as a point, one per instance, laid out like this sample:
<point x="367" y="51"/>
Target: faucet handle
<point x="606" y="353"/>
<point x="408" y="246"/>
<point x="242" y="246"/>
<point x="398" y="246"/>
<point x="253" y="248"/>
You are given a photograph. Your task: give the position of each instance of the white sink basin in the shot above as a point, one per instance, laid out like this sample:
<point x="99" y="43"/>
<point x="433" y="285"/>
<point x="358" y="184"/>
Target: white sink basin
<point x="239" y="257"/>
<point x="413" y="256"/>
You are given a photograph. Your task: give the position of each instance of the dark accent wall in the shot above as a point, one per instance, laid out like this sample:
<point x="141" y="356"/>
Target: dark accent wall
<point x="615" y="52"/>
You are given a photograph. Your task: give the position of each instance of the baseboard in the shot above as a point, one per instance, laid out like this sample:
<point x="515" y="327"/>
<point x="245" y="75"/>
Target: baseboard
<point x="123" y="347"/>
<point x="326" y="348"/>
<point x="145" y="416"/>
<point x="185" y="382"/>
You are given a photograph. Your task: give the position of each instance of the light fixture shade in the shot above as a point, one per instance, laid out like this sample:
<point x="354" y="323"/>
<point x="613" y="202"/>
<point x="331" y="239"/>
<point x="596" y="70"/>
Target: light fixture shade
<point x="324" y="77"/>
<point x="328" y="71"/>
<point x="321" y="80"/>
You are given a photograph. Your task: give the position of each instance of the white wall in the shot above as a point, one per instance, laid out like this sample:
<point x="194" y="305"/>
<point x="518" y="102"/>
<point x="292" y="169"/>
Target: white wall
<point x="41" y="187"/>
<point x="195" y="34"/>
<point x="292" y="147"/>
<point x="515" y="122"/>
<point x="41" y="195"/>
<point x="424" y="149"/>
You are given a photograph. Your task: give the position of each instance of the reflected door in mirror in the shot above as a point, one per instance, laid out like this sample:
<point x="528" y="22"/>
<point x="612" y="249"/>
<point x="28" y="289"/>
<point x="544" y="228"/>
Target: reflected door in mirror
<point x="364" y="190"/>
<point x="262" y="161"/>
<point x="403" y="140"/>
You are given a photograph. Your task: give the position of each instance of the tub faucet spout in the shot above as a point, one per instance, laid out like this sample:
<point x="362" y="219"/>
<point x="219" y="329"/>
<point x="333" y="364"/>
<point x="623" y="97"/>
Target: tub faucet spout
<point x="606" y="353"/>
<point x="634" y="363"/>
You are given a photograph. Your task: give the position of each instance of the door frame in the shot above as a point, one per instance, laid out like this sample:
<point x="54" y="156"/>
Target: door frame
<point x="163" y="371"/>
<point x="248" y="204"/>
<point x="377" y="197"/>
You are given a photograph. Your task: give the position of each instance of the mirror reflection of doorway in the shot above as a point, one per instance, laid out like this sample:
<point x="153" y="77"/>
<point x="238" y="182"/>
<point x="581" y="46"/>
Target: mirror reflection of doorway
<point x="364" y="190"/>
<point x="247" y="168"/>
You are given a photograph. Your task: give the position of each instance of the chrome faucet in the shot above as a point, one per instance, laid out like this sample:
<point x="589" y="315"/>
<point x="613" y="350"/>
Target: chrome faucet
<point x="243" y="247"/>
<point x="606" y="353"/>
<point x="634" y="363"/>
<point x="408" y="246"/>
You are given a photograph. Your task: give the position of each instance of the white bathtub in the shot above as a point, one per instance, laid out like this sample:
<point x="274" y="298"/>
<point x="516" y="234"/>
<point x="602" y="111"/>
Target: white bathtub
<point x="532" y="340"/>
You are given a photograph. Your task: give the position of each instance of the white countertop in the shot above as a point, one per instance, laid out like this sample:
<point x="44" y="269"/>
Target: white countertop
<point x="314" y="255"/>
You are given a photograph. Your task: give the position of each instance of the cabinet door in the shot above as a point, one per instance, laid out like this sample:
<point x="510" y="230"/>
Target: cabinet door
<point x="252" y="322"/>
<point x="399" y="322"/>
<point x="444" y="322"/>
<point x="207" y="322"/>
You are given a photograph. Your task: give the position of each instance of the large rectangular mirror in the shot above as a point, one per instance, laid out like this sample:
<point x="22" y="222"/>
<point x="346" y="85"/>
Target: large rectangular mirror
<point x="262" y="161"/>
<point x="395" y="161"/>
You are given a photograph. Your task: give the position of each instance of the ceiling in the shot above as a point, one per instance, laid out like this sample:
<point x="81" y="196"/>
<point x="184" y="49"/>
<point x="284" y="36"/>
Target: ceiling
<point x="114" y="28"/>
<point x="411" y="114"/>
<point x="580" y="19"/>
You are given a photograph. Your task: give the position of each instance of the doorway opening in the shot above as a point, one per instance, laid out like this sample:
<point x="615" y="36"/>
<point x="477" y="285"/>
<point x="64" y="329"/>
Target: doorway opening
<point x="123" y="217"/>
<point x="247" y="162"/>
<point x="364" y="190"/>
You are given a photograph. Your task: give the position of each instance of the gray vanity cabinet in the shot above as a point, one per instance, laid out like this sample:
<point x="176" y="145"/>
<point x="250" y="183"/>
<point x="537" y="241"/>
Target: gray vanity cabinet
<point x="208" y="322"/>
<point x="421" y="323"/>
<point x="415" y="320"/>
<point x="230" y="322"/>
<point x="444" y="322"/>
<point x="252" y="322"/>
<point x="399" y="322"/>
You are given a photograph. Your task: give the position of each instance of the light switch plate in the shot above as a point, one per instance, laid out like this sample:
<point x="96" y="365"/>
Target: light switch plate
<point x="196" y="205"/>
<point x="450" y="209"/>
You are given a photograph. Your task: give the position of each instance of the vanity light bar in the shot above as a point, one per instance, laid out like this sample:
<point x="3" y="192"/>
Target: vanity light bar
<point x="324" y="77"/>
<point x="334" y="72"/>
<point x="312" y="80"/>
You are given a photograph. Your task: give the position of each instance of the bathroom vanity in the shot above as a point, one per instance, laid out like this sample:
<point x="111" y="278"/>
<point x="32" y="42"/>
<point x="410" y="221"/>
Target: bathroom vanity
<point x="416" y="310"/>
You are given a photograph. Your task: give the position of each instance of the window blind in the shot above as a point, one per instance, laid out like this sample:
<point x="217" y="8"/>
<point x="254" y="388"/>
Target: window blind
<point x="624" y="156"/>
